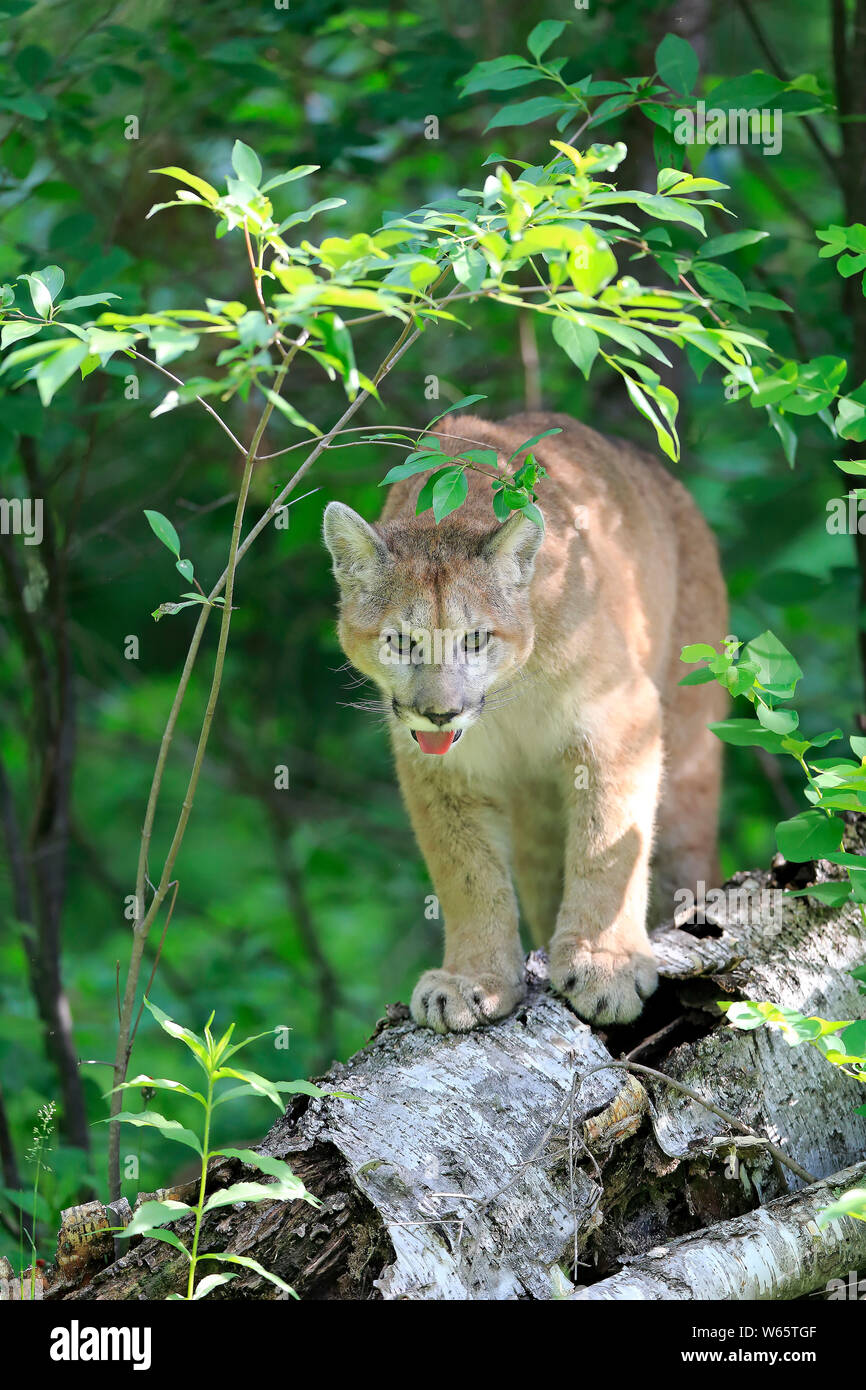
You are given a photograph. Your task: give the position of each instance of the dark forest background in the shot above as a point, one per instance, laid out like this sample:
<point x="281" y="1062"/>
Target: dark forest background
<point x="306" y="907"/>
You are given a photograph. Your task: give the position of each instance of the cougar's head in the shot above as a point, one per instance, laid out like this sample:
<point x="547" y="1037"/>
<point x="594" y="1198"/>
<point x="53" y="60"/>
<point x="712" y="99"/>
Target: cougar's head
<point x="437" y="616"/>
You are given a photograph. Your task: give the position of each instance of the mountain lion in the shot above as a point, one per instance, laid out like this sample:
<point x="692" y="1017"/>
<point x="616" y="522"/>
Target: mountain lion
<point x="542" y="741"/>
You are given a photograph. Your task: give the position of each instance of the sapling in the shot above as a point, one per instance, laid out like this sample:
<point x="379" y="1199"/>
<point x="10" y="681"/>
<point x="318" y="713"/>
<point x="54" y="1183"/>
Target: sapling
<point x="213" y="1056"/>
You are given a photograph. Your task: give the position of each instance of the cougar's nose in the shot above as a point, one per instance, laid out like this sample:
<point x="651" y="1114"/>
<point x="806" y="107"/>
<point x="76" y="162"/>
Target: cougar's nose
<point x="437" y="717"/>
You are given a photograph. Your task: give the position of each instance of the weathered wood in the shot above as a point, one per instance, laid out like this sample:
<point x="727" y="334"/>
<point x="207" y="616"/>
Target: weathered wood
<point x="479" y="1166"/>
<point x="777" y="1252"/>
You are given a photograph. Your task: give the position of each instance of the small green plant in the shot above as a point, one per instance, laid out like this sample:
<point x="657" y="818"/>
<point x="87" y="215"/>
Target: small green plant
<point x="213" y="1057"/>
<point x="766" y="674"/>
<point x="842" y="1042"/>
<point x="39" y="1147"/>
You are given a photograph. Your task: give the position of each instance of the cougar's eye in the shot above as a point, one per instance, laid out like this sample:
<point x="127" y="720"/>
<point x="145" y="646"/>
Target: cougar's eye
<point x="476" y="641"/>
<point x="399" y="644"/>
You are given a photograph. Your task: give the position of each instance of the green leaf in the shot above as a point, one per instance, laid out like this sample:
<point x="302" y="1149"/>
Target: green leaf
<point x="40" y="285"/>
<point x="301" y="171"/>
<point x="543" y="35"/>
<point x="728" y="242"/>
<point x="524" y="112"/>
<point x="831" y="894"/>
<point x="470" y="268"/>
<point x="697" y="651"/>
<point x="259" y="1084"/>
<point x="207" y="190"/>
<point x="23" y="106"/>
<point x="701" y="677"/>
<point x="417" y="463"/>
<point x="246" y="164"/>
<point x="305" y="1088"/>
<point x="276" y="1167"/>
<point x="185" y="567"/>
<point x="830" y="736"/>
<point x="58" y="368"/>
<point x="536" y="438"/>
<point x="83" y="301"/>
<point x="781" y="721"/>
<point x="164" y="531"/>
<point x="153" y="1214"/>
<point x="777" y="671"/>
<point x="284" y="1190"/>
<point x="254" y="1265"/>
<point x="665" y="432"/>
<point x="746" y="733"/>
<point x="138" y="1083"/>
<point x="721" y="284"/>
<point x="338" y="342"/>
<point x="170" y="1129"/>
<point x="14" y="332"/>
<point x="501" y="81"/>
<point x="458" y="405"/>
<point x="309" y="213"/>
<point x="167" y="1238"/>
<point x="286" y="408"/>
<point x="810" y="835"/>
<point x="193" y="1041"/>
<point x="677" y="63"/>
<point x="853" y="1203"/>
<point x="449" y="492"/>
<point x="577" y="342"/>
<point x="209" y="1282"/>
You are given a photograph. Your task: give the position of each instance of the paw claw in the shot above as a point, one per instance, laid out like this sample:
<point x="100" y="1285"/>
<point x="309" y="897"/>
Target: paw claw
<point x="451" y="1003"/>
<point x="603" y="984"/>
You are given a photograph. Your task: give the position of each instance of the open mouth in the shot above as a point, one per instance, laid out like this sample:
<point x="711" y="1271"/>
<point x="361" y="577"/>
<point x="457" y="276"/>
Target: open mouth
<point x="438" y="742"/>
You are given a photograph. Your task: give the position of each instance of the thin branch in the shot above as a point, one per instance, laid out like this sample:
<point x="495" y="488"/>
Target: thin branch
<point x="179" y="382"/>
<point x="143" y="924"/>
<point x="731" y="1120"/>
<point x="763" y="43"/>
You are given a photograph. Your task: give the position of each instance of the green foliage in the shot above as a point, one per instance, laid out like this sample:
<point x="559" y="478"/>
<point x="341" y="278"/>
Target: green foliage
<point x="766" y="674"/>
<point x="211" y="1056"/>
<point x="553" y="219"/>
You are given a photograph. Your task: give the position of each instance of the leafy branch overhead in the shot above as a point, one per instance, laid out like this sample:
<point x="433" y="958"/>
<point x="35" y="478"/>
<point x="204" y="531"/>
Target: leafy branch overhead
<point x="554" y="238"/>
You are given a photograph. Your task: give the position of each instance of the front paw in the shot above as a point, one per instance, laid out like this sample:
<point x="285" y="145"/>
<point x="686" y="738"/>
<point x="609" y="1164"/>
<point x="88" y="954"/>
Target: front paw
<point x="603" y="984"/>
<point x="452" y="1003"/>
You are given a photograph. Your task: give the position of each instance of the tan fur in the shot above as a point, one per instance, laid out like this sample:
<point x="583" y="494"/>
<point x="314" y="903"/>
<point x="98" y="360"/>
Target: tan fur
<point x="585" y="759"/>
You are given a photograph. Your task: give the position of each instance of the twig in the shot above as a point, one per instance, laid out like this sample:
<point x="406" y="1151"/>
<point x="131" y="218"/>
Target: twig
<point x="732" y="1120"/>
<point x="180" y="382"/>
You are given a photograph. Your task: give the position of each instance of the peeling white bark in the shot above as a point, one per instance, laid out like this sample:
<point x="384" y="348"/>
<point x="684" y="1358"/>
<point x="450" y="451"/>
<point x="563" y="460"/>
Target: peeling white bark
<point x="799" y="959"/>
<point x="442" y="1124"/>
<point x="777" y="1252"/>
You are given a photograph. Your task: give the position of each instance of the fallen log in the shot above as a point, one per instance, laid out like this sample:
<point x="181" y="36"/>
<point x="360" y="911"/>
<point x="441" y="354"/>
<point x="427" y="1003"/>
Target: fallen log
<point x="776" y="1252"/>
<point x="505" y="1164"/>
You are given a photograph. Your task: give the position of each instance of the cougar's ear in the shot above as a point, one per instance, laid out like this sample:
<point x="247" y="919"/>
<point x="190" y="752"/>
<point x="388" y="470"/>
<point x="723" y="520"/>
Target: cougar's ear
<point x="358" y="552"/>
<point x="513" y="548"/>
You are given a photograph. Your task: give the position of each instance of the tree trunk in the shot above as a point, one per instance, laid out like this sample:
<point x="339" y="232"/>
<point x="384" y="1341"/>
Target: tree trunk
<point x="500" y="1164"/>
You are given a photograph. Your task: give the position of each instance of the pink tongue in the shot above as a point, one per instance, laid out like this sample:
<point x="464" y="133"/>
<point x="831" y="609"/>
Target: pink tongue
<point x="434" y="743"/>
